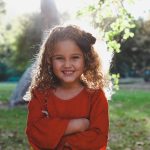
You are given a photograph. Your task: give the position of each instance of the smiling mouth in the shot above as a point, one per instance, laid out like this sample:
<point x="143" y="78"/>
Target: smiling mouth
<point x="68" y="72"/>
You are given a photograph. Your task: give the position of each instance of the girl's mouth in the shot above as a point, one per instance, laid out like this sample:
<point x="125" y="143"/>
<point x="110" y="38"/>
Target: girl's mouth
<point x="68" y="72"/>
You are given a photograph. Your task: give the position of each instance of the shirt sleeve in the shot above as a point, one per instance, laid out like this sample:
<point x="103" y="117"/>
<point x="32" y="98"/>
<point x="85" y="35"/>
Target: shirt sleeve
<point x="97" y="135"/>
<point x="43" y="132"/>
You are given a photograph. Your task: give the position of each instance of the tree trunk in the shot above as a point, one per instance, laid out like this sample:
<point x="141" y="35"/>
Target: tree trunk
<point x="50" y="18"/>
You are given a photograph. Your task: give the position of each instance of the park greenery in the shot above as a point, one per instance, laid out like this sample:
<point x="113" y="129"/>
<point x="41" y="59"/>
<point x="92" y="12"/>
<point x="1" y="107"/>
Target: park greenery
<point x="129" y="121"/>
<point x="129" y="109"/>
<point x="126" y="37"/>
<point x="19" y="43"/>
<point x="20" y="39"/>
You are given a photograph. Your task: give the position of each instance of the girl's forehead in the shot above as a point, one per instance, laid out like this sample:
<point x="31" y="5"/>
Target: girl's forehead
<point x="66" y="46"/>
<point x="65" y="42"/>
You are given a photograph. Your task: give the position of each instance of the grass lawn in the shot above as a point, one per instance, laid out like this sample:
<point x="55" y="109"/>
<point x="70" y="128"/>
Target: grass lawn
<point x="129" y="121"/>
<point x="6" y="90"/>
<point x="12" y="129"/>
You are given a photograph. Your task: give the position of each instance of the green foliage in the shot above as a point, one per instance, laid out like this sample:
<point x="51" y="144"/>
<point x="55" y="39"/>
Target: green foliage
<point x="135" y="52"/>
<point x="113" y="22"/>
<point x="122" y="25"/>
<point x="2" y="7"/>
<point x="3" y="70"/>
<point x="115" y="79"/>
<point x="112" y="19"/>
<point x="20" y="41"/>
<point x="2" y="12"/>
<point x="27" y="41"/>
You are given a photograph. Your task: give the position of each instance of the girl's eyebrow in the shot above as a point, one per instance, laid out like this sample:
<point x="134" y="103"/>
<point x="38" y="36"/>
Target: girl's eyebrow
<point x="75" y="54"/>
<point x="57" y="55"/>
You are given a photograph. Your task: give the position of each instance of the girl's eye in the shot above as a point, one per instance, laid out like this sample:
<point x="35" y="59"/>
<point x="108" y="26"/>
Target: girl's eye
<point x="58" y="58"/>
<point x="76" y="57"/>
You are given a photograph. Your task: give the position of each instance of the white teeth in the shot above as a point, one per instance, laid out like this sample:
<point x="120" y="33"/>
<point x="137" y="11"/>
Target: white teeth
<point x="67" y="72"/>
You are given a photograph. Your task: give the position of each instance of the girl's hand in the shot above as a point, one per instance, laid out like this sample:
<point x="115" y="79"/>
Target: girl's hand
<point x="45" y="113"/>
<point x="77" y="125"/>
<point x="84" y="124"/>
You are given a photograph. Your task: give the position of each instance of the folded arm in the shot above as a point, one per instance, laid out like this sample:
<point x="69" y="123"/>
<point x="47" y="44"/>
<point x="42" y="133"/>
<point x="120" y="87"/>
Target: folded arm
<point x="97" y="135"/>
<point x="43" y="131"/>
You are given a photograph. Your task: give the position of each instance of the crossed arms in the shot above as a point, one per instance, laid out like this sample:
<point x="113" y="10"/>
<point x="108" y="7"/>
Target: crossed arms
<point x="47" y="132"/>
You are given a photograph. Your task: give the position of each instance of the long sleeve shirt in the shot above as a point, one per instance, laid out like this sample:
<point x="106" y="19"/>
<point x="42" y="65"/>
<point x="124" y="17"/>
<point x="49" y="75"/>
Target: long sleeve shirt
<point x="47" y="133"/>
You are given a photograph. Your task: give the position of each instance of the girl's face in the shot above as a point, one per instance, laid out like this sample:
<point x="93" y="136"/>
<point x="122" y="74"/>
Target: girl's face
<point x="68" y="62"/>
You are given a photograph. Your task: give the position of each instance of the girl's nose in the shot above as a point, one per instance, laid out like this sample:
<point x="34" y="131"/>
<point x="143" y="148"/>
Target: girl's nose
<point x="67" y="63"/>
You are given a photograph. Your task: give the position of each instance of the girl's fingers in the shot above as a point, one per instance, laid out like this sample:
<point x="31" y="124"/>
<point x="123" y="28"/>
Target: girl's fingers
<point x="45" y="112"/>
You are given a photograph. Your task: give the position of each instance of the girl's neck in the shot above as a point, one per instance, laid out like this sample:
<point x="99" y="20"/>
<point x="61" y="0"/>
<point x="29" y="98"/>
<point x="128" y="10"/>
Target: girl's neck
<point x="70" y="86"/>
<point x="68" y="92"/>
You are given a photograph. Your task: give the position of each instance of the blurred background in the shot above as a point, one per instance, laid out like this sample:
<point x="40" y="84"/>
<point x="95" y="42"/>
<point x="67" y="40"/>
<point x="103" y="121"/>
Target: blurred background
<point x="124" y="25"/>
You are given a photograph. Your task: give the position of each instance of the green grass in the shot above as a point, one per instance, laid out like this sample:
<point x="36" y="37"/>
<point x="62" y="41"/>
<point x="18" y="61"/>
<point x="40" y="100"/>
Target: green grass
<point x="12" y="129"/>
<point x="129" y="122"/>
<point x="6" y="91"/>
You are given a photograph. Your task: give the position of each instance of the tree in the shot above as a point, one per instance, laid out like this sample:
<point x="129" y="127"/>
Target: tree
<point x="2" y="12"/>
<point x="51" y="20"/>
<point x="113" y="21"/>
<point x="2" y="8"/>
<point x="3" y="67"/>
<point x="27" y="41"/>
<point x="135" y="52"/>
<point x="49" y="13"/>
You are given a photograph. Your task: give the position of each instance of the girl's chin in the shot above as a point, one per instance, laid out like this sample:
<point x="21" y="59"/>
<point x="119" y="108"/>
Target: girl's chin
<point x="70" y="81"/>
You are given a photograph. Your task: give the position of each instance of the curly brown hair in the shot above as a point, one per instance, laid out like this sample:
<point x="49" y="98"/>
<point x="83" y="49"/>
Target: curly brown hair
<point x="43" y="76"/>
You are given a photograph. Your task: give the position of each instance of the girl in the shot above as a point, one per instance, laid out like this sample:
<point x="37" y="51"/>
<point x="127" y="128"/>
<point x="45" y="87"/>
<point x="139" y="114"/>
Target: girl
<point x="68" y="109"/>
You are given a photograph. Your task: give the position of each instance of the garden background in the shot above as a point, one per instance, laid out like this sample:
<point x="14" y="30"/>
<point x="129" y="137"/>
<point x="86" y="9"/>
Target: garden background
<point x="123" y="24"/>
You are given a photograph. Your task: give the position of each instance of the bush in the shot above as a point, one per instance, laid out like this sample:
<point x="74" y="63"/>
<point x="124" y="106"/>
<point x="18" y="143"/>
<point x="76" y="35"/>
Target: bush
<point x="3" y="69"/>
<point x="8" y="74"/>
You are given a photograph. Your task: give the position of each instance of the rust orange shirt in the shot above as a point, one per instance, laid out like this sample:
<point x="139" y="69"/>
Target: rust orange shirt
<point x="47" y="133"/>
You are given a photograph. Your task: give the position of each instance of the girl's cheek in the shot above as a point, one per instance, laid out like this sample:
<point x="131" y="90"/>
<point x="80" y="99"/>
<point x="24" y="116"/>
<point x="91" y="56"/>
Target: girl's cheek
<point x="57" y="64"/>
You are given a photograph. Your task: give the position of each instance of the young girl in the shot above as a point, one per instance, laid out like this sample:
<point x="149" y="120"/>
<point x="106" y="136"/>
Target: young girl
<point x="68" y="109"/>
